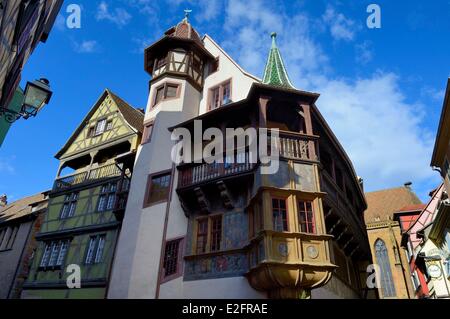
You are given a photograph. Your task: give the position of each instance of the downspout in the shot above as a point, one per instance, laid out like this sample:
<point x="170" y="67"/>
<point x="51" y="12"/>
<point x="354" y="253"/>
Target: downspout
<point x="166" y="221"/>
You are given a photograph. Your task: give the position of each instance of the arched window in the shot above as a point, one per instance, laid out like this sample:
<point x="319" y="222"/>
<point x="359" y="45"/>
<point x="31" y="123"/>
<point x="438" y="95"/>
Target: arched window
<point x="386" y="281"/>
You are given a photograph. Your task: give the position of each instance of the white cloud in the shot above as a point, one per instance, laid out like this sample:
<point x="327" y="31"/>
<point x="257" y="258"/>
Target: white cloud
<point x="381" y="132"/>
<point x="364" y="52"/>
<point x="6" y="165"/>
<point x="87" y="46"/>
<point x="118" y="16"/>
<point x="341" y="27"/>
<point x="433" y="93"/>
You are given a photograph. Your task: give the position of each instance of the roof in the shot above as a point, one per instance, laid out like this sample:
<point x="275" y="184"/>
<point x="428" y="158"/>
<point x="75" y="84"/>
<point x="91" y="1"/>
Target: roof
<point x="412" y="208"/>
<point x="443" y="133"/>
<point x="20" y="208"/>
<point x="275" y="72"/>
<point x="132" y="116"/>
<point x="382" y="204"/>
<point x="184" y="30"/>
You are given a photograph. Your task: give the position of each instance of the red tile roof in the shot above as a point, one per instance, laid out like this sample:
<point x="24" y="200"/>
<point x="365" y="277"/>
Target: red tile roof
<point x="382" y="204"/>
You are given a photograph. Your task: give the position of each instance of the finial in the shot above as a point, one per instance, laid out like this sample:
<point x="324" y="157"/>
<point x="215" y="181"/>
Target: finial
<point x="186" y="14"/>
<point x="273" y="35"/>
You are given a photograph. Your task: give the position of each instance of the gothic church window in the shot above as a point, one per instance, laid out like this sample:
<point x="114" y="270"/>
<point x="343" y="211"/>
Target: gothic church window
<point x="386" y="279"/>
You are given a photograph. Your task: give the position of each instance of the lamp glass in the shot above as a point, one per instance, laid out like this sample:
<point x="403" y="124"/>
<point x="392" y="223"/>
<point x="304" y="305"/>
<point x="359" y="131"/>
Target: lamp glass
<point x="35" y="96"/>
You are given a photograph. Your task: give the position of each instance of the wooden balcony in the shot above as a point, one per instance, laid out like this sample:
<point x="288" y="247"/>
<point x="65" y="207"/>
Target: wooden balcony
<point x="297" y="146"/>
<point x="90" y="175"/>
<point x="192" y="175"/>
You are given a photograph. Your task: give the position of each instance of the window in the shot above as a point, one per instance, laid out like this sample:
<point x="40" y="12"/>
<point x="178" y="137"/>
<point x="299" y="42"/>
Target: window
<point x="148" y="129"/>
<point x="100" y="127"/>
<point x="382" y="257"/>
<point x="158" y="188"/>
<point x="171" y="90"/>
<point x="216" y="232"/>
<point x="202" y="235"/>
<point x="69" y="206"/>
<point x="172" y="258"/>
<point x="95" y="250"/>
<point x="166" y="91"/>
<point x="306" y="217"/>
<point x="107" y="197"/>
<point x="91" y="131"/>
<point x="279" y="214"/>
<point x="54" y="253"/>
<point x="209" y="230"/>
<point x="7" y="237"/>
<point x="220" y="95"/>
<point x="109" y="125"/>
<point x="159" y="95"/>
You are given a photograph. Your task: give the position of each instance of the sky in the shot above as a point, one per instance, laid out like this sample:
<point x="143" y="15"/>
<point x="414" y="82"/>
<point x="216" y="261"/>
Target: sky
<point x="381" y="89"/>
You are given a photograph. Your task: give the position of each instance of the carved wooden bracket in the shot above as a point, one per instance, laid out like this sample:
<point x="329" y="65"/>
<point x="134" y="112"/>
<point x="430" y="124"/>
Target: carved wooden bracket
<point x="225" y="195"/>
<point x="201" y="199"/>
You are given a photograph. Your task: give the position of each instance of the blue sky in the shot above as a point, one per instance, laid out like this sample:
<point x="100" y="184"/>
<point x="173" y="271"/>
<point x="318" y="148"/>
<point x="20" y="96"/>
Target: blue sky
<point x="381" y="89"/>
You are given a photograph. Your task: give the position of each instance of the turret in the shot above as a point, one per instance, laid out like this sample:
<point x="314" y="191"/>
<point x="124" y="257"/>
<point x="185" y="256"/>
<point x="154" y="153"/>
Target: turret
<point x="181" y="53"/>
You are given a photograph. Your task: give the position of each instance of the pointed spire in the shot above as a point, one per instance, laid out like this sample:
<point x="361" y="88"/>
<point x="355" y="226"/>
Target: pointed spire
<point x="275" y="72"/>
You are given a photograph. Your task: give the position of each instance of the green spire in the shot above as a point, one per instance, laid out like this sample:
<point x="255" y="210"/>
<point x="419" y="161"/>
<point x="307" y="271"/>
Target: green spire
<point x="275" y="72"/>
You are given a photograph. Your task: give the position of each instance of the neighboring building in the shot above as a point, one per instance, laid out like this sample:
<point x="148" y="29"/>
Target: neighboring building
<point x="86" y="206"/>
<point x="23" y="24"/>
<point x="428" y="262"/>
<point x="20" y="221"/>
<point x="385" y="238"/>
<point x="226" y="230"/>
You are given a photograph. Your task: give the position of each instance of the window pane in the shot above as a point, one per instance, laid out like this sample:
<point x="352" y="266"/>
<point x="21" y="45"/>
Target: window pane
<point x="202" y="235"/>
<point x="171" y="91"/>
<point x="171" y="257"/>
<point x="54" y="254"/>
<point x="159" y="188"/>
<point x="306" y="217"/>
<point x="215" y="98"/>
<point x="216" y="233"/>
<point x="100" y="127"/>
<point x="159" y="95"/>
<point x="90" y="252"/>
<point x="101" y="203"/>
<point x="45" y="255"/>
<point x="100" y="248"/>
<point x="226" y="95"/>
<point x="64" y="210"/>
<point x="72" y="208"/>
<point x="62" y="252"/>
<point x="109" y="126"/>
<point x="279" y="215"/>
<point x="111" y="200"/>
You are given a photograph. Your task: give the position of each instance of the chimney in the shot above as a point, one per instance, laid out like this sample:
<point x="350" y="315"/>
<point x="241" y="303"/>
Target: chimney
<point x="3" y="200"/>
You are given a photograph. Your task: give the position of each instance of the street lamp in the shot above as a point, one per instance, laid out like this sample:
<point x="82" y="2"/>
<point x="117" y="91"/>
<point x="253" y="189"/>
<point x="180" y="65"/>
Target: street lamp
<point x="37" y="94"/>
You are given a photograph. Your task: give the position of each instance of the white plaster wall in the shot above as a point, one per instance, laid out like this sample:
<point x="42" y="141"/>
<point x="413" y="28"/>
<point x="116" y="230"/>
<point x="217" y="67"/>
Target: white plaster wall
<point x="241" y="81"/>
<point x="221" y="288"/>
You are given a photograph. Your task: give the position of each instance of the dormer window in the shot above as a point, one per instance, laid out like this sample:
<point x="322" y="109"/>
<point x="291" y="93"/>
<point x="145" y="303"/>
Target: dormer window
<point x="220" y="95"/>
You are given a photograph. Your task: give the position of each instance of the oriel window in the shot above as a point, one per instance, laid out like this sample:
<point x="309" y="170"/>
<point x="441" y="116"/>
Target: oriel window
<point x="306" y="217"/>
<point x="279" y="213"/>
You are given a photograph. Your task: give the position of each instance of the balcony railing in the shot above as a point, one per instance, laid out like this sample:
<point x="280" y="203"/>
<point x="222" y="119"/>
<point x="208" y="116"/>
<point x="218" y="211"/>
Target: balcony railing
<point x="297" y="146"/>
<point x="205" y="172"/>
<point x="105" y="171"/>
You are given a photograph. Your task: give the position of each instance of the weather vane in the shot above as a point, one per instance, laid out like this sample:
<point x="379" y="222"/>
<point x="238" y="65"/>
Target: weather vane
<point x="186" y="13"/>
